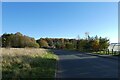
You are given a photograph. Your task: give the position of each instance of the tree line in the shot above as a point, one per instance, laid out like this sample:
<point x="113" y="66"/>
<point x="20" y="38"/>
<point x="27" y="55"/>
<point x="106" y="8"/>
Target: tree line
<point x="19" y="40"/>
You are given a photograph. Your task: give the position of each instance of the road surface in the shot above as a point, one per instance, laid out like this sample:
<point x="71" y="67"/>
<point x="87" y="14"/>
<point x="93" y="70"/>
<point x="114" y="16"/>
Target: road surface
<point x="73" y="64"/>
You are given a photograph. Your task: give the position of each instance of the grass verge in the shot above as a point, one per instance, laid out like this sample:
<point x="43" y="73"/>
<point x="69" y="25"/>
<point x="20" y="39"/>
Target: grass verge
<point x="28" y="63"/>
<point x="106" y="53"/>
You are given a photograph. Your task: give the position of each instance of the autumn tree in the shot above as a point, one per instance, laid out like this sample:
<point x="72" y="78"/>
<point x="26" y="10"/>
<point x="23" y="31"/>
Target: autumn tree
<point x="81" y="45"/>
<point x="42" y="43"/>
<point x="17" y="40"/>
<point x="49" y="41"/>
<point x="104" y="43"/>
<point x="95" y="45"/>
<point x="6" y="40"/>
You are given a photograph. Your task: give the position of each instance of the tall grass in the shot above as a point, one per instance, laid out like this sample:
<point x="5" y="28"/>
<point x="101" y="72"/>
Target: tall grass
<point x="27" y="63"/>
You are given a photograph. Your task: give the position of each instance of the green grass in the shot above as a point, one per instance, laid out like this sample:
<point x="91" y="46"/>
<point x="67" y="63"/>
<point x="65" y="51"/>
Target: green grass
<point x="28" y="63"/>
<point x="104" y="53"/>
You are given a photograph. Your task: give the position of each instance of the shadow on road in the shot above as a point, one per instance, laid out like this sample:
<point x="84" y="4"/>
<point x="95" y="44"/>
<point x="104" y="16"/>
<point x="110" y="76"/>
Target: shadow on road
<point x="73" y="64"/>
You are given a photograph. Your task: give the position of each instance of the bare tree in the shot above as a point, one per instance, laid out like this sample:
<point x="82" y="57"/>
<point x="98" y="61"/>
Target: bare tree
<point x="78" y="37"/>
<point x="87" y="34"/>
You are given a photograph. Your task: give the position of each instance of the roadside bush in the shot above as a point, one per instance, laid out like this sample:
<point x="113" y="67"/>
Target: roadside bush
<point x="42" y="43"/>
<point x="69" y="46"/>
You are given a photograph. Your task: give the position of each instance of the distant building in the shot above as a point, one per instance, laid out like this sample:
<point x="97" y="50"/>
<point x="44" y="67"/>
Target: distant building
<point x="114" y="46"/>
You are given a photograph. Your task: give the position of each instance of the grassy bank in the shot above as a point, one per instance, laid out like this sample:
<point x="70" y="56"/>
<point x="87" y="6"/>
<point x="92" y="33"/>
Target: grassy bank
<point x="28" y="63"/>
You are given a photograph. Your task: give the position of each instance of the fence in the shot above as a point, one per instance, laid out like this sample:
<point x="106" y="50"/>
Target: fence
<point x="112" y="52"/>
<point x="114" y="49"/>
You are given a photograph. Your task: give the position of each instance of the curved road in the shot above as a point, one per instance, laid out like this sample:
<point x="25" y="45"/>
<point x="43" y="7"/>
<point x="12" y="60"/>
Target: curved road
<point x="73" y="64"/>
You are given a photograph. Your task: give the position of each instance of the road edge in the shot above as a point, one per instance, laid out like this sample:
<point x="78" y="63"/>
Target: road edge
<point x="103" y="56"/>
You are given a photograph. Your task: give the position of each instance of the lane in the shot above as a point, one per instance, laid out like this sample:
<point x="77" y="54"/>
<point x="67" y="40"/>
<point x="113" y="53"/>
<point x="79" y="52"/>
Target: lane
<point x="74" y="64"/>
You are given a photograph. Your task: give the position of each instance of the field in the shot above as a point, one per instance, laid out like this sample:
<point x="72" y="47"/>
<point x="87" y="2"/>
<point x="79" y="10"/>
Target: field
<point x="27" y="63"/>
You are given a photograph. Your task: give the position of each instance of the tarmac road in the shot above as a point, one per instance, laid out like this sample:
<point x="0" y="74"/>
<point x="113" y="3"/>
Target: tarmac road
<point x="73" y="64"/>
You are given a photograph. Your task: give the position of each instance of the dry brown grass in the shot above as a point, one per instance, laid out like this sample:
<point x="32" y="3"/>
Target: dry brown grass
<point x="27" y="62"/>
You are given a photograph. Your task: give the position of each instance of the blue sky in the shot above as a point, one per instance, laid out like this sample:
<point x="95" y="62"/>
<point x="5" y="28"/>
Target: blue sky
<point x="66" y="20"/>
